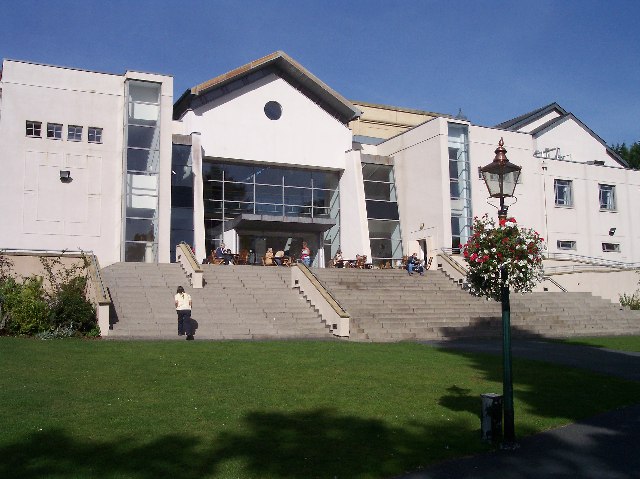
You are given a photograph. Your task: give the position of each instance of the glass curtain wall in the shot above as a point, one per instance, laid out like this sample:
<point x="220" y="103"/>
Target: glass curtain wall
<point x="231" y="189"/>
<point x="459" y="185"/>
<point x="382" y="214"/>
<point x="181" y="197"/>
<point x="141" y="163"/>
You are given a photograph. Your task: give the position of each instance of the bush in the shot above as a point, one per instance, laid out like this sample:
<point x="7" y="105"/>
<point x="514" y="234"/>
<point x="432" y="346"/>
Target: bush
<point x="632" y="301"/>
<point x="61" y="310"/>
<point x="25" y="309"/>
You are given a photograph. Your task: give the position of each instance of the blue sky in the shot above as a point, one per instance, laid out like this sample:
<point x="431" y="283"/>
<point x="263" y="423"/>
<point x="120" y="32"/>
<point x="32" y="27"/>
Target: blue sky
<point x="494" y="59"/>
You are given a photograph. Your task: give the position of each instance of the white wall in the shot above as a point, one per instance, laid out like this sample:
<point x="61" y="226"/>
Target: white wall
<point x="421" y="158"/>
<point x="41" y="212"/>
<point x="354" y="231"/>
<point x="235" y="126"/>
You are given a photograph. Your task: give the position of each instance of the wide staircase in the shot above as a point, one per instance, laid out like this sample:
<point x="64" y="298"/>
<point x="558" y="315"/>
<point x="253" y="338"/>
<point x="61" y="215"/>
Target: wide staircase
<point x="237" y="302"/>
<point x="251" y="302"/>
<point x="390" y="305"/>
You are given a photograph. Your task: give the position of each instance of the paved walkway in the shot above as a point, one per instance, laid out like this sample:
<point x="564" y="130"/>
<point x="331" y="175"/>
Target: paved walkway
<point x="603" y="447"/>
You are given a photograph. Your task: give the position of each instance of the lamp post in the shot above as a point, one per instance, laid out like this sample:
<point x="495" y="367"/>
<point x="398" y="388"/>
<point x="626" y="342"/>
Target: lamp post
<point x="501" y="177"/>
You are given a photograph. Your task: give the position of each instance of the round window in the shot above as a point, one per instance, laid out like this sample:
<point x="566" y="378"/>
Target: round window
<point x="273" y="110"/>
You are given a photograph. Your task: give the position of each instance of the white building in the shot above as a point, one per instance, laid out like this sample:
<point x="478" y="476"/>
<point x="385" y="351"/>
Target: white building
<point x="268" y="155"/>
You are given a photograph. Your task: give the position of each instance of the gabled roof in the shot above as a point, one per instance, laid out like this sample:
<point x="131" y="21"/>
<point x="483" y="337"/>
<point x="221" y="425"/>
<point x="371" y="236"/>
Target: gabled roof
<point x="517" y="123"/>
<point x="284" y="66"/>
<point x="570" y="116"/>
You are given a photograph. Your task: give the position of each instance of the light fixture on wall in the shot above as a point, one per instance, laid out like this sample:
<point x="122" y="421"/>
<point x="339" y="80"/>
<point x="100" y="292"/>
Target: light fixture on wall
<point x="612" y="231"/>
<point x="65" y="176"/>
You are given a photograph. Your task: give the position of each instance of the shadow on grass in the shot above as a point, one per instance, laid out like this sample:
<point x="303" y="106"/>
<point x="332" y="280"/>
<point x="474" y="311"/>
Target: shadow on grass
<point x="561" y="389"/>
<point x="318" y="443"/>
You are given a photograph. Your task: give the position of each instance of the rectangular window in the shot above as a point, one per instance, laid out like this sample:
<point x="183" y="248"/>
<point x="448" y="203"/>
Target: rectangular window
<point x="74" y="133"/>
<point x="566" y="245"/>
<point x="611" y="247"/>
<point x="563" y="191"/>
<point x="94" y="134"/>
<point x="54" y="131"/>
<point x="607" y="197"/>
<point x="34" y="129"/>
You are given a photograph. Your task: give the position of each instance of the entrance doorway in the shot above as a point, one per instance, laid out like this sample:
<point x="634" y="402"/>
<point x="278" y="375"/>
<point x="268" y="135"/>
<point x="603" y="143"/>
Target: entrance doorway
<point x="257" y="244"/>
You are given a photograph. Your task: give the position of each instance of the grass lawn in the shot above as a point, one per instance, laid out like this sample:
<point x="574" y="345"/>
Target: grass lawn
<point x="621" y="343"/>
<point x="148" y="410"/>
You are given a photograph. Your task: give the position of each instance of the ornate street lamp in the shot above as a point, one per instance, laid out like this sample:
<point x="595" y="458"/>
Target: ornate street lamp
<point x="501" y="178"/>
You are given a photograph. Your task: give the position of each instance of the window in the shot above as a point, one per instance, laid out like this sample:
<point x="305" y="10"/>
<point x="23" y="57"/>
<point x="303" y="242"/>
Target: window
<point x="566" y="245"/>
<point x="94" y="134"/>
<point x="34" y="129"/>
<point x="563" y="191"/>
<point x="54" y="131"/>
<point x="273" y="110"/>
<point x="607" y="197"/>
<point x="611" y="247"/>
<point x="74" y="133"/>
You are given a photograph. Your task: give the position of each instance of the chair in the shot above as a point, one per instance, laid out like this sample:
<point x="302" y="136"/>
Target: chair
<point x="217" y="261"/>
<point x="405" y="260"/>
<point x="243" y="257"/>
<point x="428" y="265"/>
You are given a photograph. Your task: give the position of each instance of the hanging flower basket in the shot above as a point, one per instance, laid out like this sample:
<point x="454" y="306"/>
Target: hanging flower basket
<point x="518" y="250"/>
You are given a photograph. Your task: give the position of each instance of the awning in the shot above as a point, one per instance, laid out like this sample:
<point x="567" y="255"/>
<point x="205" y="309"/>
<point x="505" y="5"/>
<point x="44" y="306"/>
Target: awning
<point x="293" y="224"/>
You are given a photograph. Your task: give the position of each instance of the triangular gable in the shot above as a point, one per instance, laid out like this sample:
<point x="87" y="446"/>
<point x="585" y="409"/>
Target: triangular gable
<point x="570" y="116"/>
<point x="282" y="65"/>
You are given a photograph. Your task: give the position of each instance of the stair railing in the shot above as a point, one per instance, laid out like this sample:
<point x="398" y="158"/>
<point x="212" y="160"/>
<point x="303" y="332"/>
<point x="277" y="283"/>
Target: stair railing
<point x="97" y="293"/>
<point x="321" y="299"/>
<point x="190" y="265"/>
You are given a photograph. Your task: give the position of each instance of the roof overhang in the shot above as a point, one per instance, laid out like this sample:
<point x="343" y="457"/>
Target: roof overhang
<point x="293" y="224"/>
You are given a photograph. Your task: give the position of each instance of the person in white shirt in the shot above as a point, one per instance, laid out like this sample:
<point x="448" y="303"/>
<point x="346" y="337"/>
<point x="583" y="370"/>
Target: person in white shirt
<point x="183" y="308"/>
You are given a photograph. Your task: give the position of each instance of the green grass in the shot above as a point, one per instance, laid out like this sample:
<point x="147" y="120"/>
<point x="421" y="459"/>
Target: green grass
<point x="147" y="410"/>
<point x="621" y="343"/>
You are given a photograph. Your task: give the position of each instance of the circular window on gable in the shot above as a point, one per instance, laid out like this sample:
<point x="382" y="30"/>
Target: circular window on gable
<point x="273" y="110"/>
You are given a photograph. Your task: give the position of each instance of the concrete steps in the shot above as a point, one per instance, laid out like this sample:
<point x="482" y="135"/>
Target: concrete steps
<point x="237" y="302"/>
<point x="390" y="305"/>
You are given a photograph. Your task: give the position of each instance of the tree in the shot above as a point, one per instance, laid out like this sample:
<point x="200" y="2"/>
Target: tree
<point x="630" y="154"/>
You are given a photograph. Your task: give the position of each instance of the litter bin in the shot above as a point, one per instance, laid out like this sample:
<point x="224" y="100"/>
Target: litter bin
<point x="491" y="417"/>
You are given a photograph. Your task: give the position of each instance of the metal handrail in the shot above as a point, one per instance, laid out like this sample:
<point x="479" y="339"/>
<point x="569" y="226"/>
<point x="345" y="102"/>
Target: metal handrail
<point x="553" y="281"/>
<point x="445" y="253"/>
<point x="93" y="259"/>
<point x="592" y="260"/>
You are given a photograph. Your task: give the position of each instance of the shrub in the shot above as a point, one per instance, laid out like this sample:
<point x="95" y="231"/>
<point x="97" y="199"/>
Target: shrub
<point x="59" y="310"/>
<point x="25" y="308"/>
<point x="632" y="301"/>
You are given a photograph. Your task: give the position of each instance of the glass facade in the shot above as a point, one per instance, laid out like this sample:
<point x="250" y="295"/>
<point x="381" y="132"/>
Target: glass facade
<point x="231" y="189"/>
<point x="459" y="185"/>
<point x="181" y="197"/>
<point x="141" y="163"/>
<point x="382" y="214"/>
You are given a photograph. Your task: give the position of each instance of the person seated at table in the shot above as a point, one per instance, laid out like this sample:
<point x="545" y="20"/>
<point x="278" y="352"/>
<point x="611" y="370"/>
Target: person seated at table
<point x="229" y="256"/>
<point x="305" y="254"/>
<point x="278" y="257"/>
<point x="415" y="264"/>
<point x="268" y="257"/>
<point x="338" y="261"/>
<point x="219" y="254"/>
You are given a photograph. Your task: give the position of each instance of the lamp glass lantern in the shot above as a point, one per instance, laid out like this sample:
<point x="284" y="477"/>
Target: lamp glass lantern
<point x="501" y="176"/>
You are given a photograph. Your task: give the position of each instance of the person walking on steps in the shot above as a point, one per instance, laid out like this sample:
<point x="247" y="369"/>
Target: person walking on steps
<point x="183" y="308"/>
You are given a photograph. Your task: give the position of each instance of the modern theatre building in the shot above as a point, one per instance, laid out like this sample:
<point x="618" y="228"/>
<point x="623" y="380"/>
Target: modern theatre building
<point x="268" y="155"/>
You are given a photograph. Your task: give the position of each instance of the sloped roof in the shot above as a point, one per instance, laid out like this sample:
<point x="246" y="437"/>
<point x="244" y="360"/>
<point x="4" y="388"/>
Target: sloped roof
<point x="285" y="67"/>
<point x="517" y="123"/>
<point x="570" y="116"/>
